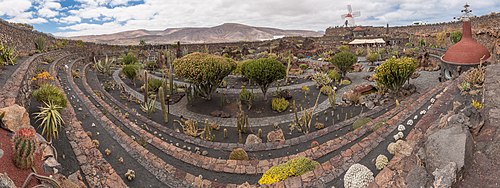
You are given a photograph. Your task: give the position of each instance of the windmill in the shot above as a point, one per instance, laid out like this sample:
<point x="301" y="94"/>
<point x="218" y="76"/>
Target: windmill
<point x="349" y="17"/>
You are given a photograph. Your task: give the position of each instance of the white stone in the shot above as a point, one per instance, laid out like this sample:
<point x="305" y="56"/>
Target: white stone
<point x="423" y="112"/>
<point x="410" y="122"/>
<point x="416" y="117"/>
<point x="358" y="176"/>
<point x="433" y="100"/>
<point x="401" y="128"/>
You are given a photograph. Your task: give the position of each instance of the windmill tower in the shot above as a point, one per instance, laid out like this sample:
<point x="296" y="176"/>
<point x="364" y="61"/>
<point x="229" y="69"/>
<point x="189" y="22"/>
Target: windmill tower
<point x="349" y="17"/>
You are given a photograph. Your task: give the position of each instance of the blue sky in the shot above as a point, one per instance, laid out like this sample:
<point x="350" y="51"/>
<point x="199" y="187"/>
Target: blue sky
<point x="89" y="17"/>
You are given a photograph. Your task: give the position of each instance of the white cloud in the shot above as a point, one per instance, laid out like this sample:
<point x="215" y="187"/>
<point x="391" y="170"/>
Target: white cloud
<point x="13" y="7"/>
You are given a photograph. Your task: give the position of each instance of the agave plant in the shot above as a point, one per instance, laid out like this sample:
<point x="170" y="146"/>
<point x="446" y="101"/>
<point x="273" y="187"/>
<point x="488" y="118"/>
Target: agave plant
<point x="51" y="120"/>
<point x="104" y="66"/>
<point x="149" y="106"/>
<point x="7" y="55"/>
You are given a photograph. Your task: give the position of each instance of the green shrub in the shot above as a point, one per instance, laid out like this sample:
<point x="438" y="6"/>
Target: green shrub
<point x="154" y="84"/>
<point x="303" y="66"/>
<point x="393" y="73"/>
<point x="151" y="65"/>
<point x="40" y="44"/>
<point x="238" y="154"/>
<point x="343" y="48"/>
<point x="360" y="122"/>
<point x="294" y="167"/>
<point x="455" y="36"/>
<point x="130" y="71"/>
<point x="334" y="75"/>
<point x="264" y="72"/>
<point x="129" y="58"/>
<point x="204" y="71"/>
<point x="344" y="61"/>
<point x="48" y="93"/>
<point x="279" y="104"/>
<point x="372" y="57"/>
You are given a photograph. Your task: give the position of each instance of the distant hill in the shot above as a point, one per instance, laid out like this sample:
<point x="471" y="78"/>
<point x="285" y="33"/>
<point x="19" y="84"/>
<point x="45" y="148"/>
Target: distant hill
<point x="228" y="32"/>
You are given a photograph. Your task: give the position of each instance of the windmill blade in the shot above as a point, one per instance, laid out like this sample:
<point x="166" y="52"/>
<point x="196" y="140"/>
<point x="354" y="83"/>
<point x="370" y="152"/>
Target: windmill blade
<point x="356" y="14"/>
<point x="349" y="8"/>
<point x="343" y="16"/>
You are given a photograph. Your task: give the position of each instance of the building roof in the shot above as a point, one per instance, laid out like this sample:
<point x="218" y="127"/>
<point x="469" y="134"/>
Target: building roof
<point x="358" y="29"/>
<point x="368" y="41"/>
<point x="467" y="51"/>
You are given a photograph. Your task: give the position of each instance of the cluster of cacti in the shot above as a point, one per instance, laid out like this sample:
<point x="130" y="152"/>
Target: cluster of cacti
<point x="40" y="44"/>
<point x="206" y="134"/>
<point x="279" y="104"/>
<point x="130" y="175"/>
<point x="161" y="93"/>
<point x="475" y="76"/>
<point x="104" y="66"/>
<point x="149" y="106"/>
<point x="303" y="123"/>
<point x="246" y="97"/>
<point x="24" y="147"/>
<point x="242" y="121"/>
<point x="190" y="127"/>
<point x="7" y="55"/>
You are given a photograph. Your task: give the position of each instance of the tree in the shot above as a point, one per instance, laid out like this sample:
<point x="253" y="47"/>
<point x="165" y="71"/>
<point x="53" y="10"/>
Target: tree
<point x="393" y="73"/>
<point x="204" y="71"/>
<point x="344" y="61"/>
<point x="455" y="36"/>
<point x="265" y="71"/>
<point x="372" y="57"/>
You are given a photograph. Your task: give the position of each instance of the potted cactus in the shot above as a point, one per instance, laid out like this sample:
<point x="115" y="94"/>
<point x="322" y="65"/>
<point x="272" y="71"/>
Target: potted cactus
<point x="24" y="147"/>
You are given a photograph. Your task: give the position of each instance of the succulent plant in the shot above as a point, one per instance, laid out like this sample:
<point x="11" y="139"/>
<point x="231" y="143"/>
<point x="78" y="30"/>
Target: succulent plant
<point x="24" y="147"/>
<point x="238" y="154"/>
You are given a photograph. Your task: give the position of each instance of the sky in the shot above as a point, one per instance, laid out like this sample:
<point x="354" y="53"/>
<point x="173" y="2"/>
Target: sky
<point x="90" y="17"/>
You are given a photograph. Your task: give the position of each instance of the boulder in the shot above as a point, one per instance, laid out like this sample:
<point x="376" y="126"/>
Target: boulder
<point x="358" y="176"/>
<point x="253" y="139"/>
<point x="6" y="182"/>
<point x="361" y="89"/>
<point x="445" y="177"/>
<point x="452" y="144"/>
<point x="47" y="151"/>
<point x="417" y="177"/>
<point x="50" y="165"/>
<point x="14" y="117"/>
<point x="275" y="136"/>
<point x="219" y="113"/>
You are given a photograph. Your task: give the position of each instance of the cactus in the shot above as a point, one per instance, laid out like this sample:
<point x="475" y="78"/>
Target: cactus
<point x="207" y="132"/>
<point x="163" y="107"/>
<point x="24" y="147"/>
<point x="289" y="64"/>
<point x="146" y="88"/>
<point x="303" y="123"/>
<point x="259" y="133"/>
<point x="242" y="121"/>
<point x="240" y="138"/>
<point x="225" y="133"/>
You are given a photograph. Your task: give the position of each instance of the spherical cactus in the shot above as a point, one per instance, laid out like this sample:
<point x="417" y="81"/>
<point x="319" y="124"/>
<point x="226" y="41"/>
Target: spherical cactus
<point x="238" y="154"/>
<point x="24" y="147"/>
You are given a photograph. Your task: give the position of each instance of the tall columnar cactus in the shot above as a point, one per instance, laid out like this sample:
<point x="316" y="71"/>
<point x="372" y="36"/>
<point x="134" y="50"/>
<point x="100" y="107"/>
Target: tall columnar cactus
<point x="163" y="106"/>
<point x="288" y="66"/>
<point x="242" y="121"/>
<point x="171" y="78"/>
<point x="146" y="88"/>
<point x="24" y="147"/>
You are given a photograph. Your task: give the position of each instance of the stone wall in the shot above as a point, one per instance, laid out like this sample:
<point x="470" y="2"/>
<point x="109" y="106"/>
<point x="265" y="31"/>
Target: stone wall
<point x="22" y="38"/>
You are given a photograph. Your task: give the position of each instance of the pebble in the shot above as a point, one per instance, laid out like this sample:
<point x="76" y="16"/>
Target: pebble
<point x="177" y="144"/>
<point x="204" y="153"/>
<point x="80" y="109"/>
<point x="93" y="125"/>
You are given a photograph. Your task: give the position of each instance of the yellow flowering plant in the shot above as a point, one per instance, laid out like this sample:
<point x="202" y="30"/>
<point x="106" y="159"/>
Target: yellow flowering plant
<point x="294" y="167"/>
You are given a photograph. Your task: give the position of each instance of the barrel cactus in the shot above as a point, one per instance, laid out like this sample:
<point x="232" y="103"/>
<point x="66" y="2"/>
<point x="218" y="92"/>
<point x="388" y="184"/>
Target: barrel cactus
<point x="24" y="147"/>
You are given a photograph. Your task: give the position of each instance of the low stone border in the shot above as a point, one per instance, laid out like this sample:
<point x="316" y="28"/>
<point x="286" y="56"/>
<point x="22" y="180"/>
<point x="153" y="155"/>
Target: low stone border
<point x="11" y="90"/>
<point x="98" y="172"/>
<point x="252" y="147"/>
<point x="416" y="135"/>
<point x="179" y="109"/>
<point x="332" y="169"/>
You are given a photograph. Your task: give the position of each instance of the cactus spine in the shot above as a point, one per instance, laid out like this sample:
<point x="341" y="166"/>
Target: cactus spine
<point x="163" y="106"/>
<point x="24" y="147"/>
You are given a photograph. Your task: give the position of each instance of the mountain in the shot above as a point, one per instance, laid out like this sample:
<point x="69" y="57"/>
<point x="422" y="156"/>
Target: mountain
<point x="228" y="32"/>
